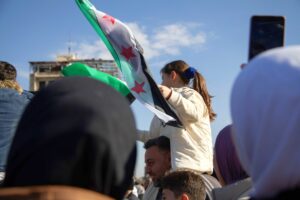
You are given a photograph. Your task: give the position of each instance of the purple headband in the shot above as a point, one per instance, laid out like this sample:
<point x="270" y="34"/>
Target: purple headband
<point x="189" y="73"/>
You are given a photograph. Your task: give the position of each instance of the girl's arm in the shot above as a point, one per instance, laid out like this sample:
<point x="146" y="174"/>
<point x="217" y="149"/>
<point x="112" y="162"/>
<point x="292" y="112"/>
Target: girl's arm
<point x="189" y="104"/>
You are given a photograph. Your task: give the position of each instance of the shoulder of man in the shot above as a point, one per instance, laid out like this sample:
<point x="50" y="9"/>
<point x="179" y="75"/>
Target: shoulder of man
<point x="210" y="183"/>
<point x="151" y="192"/>
<point x="28" y="95"/>
<point x="237" y="190"/>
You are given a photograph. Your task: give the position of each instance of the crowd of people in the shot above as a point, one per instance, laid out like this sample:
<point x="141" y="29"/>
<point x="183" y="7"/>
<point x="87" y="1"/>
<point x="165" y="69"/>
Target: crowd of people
<point x="76" y="138"/>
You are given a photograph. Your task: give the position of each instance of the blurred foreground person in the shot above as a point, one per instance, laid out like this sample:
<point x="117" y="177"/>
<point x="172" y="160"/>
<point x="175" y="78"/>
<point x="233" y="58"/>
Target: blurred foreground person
<point x="75" y="132"/>
<point x="265" y="108"/>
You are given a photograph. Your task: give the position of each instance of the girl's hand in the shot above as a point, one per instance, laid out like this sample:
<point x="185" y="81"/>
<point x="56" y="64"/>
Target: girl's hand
<point x="165" y="91"/>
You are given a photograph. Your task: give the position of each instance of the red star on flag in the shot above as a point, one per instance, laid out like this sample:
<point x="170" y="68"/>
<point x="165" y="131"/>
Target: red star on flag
<point x="138" y="88"/>
<point x="127" y="53"/>
<point x="109" y="18"/>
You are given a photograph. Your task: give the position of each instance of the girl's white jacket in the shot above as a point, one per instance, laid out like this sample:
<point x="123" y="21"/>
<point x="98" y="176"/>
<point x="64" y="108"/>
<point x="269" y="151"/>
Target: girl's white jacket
<point x="191" y="146"/>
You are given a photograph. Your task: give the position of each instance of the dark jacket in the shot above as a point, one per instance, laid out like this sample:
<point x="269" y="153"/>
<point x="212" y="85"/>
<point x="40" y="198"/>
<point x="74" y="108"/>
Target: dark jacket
<point x="77" y="132"/>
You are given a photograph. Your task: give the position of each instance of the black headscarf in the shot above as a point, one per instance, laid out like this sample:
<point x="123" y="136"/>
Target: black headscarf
<point x="78" y="132"/>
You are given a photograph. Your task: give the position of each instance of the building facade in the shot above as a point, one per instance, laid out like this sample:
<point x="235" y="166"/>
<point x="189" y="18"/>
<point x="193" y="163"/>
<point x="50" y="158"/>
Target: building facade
<point x="44" y="72"/>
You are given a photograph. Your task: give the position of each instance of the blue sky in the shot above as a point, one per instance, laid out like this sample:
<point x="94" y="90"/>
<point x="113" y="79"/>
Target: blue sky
<point x="209" y="35"/>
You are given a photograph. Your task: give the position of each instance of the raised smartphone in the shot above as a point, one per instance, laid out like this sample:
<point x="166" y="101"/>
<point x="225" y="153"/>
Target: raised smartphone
<point x="266" y="32"/>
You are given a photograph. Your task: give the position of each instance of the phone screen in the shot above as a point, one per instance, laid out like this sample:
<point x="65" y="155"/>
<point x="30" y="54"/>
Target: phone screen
<point x="266" y="32"/>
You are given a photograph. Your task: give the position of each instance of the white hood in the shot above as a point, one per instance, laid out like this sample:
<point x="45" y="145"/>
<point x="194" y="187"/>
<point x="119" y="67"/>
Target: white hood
<point x="265" y="108"/>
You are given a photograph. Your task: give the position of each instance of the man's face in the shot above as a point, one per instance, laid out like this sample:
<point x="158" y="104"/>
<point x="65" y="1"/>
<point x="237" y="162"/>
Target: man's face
<point x="169" y="195"/>
<point x="157" y="163"/>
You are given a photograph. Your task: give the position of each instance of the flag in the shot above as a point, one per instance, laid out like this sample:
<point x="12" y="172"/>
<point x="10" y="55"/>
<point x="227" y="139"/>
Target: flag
<point x="80" y="69"/>
<point x="127" y="53"/>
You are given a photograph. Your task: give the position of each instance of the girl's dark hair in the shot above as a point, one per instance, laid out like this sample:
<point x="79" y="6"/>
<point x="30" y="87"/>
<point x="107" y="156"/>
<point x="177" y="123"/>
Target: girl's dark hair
<point x="199" y="83"/>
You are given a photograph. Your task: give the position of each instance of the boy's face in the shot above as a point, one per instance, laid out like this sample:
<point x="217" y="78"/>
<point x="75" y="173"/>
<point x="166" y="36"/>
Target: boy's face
<point x="169" y="195"/>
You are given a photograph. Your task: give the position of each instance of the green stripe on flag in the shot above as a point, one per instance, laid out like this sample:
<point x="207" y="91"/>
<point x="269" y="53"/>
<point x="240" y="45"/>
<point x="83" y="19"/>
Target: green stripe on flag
<point x="80" y="69"/>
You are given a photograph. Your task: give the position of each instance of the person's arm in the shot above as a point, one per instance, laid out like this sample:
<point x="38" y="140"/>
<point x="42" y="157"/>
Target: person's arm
<point x="144" y="136"/>
<point x="189" y="104"/>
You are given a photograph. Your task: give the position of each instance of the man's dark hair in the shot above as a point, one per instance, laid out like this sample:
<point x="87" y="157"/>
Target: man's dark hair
<point x="185" y="181"/>
<point x="162" y="142"/>
<point x="7" y="71"/>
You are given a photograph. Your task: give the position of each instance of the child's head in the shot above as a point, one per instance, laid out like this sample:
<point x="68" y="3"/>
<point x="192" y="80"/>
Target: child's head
<point x="176" y="71"/>
<point x="183" y="185"/>
<point x="179" y="74"/>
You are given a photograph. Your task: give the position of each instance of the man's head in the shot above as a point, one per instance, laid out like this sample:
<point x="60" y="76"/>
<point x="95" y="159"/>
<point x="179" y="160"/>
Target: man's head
<point x="183" y="185"/>
<point x="7" y="71"/>
<point x="157" y="158"/>
<point x="8" y="75"/>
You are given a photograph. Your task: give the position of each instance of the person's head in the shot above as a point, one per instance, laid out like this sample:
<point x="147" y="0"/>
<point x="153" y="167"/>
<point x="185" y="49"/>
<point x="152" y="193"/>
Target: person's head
<point x="157" y="158"/>
<point x="78" y="132"/>
<point x="7" y="71"/>
<point x="8" y="75"/>
<point x="178" y="74"/>
<point x="265" y="105"/>
<point x="183" y="185"/>
<point x="226" y="162"/>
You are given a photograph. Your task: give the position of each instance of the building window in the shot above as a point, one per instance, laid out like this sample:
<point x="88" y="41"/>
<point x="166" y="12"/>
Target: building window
<point x="45" y="69"/>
